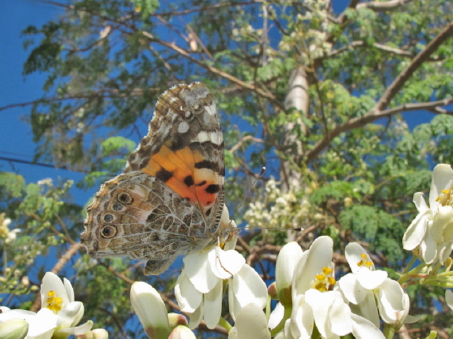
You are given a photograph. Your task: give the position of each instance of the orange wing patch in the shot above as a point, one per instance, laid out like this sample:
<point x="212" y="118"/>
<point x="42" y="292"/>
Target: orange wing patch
<point x="185" y="172"/>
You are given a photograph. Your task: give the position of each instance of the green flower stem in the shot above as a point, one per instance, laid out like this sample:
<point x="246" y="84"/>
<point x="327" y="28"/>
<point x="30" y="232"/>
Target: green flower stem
<point x="389" y="331"/>
<point x="281" y="325"/>
<point x="405" y="277"/>
<point x="225" y="324"/>
<point x="408" y="267"/>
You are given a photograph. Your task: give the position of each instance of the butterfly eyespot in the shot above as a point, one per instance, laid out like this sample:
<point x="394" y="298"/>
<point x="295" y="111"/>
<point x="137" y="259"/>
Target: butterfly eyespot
<point x="125" y="198"/>
<point x="108" y="231"/>
<point x="117" y="207"/>
<point x="108" y="218"/>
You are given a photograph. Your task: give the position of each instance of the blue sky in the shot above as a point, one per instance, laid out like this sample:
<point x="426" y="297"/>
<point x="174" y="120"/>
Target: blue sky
<point x="15" y="134"/>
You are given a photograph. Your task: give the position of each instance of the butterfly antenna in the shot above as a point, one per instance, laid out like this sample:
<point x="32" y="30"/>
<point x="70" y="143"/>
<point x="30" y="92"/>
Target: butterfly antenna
<point x="263" y="169"/>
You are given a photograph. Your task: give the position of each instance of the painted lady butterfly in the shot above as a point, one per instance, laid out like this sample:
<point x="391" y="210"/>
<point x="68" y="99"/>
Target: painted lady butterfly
<point x="169" y="199"/>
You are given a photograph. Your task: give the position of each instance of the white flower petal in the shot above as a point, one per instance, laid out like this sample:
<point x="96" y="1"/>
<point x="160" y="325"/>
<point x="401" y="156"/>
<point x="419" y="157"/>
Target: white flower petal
<point x="276" y="316"/>
<point x="363" y="328"/>
<point x="213" y="305"/>
<point x="150" y="308"/>
<point x="196" y="317"/>
<point x="444" y="251"/>
<point x="251" y="323"/>
<point x="420" y="203"/>
<point x="302" y="319"/>
<point x="233" y="333"/>
<point x="43" y="324"/>
<point x="428" y="249"/>
<point x="441" y="219"/>
<point x="390" y="300"/>
<point x="442" y="179"/>
<point x="71" y="314"/>
<point x="330" y="313"/>
<point x="8" y="314"/>
<point x="182" y="332"/>
<point x="311" y="263"/>
<point x="340" y="316"/>
<point x="187" y="296"/>
<point x="69" y="289"/>
<point x="416" y="231"/>
<point x="287" y="261"/>
<point x="249" y="288"/>
<point x="352" y="290"/>
<point x="79" y="330"/>
<point x="198" y="269"/>
<point x="371" y="279"/>
<point x="14" y="329"/>
<point x="353" y="253"/>
<point x="225" y="263"/>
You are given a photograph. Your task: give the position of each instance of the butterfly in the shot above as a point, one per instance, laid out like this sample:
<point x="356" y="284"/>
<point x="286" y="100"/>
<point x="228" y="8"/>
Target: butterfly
<point x="169" y="199"/>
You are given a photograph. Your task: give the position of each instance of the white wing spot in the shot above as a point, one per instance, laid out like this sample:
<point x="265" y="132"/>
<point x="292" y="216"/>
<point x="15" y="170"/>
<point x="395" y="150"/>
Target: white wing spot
<point x="187" y="114"/>
<point x="183" y="127"/>
<point x="216" y="137"/>
<point x="211" y="109"/>
<point x="203" y="136"/>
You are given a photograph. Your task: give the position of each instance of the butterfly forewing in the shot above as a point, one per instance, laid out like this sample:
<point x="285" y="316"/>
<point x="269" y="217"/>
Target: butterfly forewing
<point x="169" y="199"/>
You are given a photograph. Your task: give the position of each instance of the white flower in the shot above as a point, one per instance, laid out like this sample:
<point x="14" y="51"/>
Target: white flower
<point x="41" y="325"/>
<point x="431" y="232"/>
<point x="287" y="261"/>
<point x="365" y="285"/>
<point x="59" y="314"/>
<point x="13" y="328"/>
<point x="317" y="300"/>
<point x="150" y="309"/>
<point x="199" y="288"/>
<point x="7" y="235"/>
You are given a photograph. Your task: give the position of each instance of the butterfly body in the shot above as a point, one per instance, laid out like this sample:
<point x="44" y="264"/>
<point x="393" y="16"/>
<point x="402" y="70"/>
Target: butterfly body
<point x="169" y="199"/>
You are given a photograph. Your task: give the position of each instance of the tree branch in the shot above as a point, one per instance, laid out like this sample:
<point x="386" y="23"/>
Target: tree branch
<point x="381" y="6"/>
<point x="238" y="82"/>
<point x="381" y="47"/>
<point x="376" y="112"/>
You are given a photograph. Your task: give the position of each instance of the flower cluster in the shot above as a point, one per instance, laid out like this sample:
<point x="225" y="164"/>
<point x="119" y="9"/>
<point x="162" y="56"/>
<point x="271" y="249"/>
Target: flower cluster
<point x="311" y="300"/>
<point x="58" y="317"/>
<point x="280" y="210"/>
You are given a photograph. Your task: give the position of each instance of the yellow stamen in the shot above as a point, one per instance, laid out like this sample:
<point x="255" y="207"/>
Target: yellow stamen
<point x="365" y="262"/>
<point x="54" y="303"/>
<point x="320" y="277"/>
<point x="327" y="270"/>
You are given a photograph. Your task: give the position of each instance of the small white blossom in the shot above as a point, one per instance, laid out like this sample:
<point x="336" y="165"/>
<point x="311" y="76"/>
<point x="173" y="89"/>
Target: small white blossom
<point x="431" y="233"/>
<point x="59" y="314"/>
<point x="365" y="286"/>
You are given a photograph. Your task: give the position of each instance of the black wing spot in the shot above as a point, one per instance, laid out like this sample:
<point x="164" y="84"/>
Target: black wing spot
<point x="108" y="231"/>
<point x="117" y="207"/>
<point x="164" y="175"/>
<point x="125" y="198"/>
<point x="189" y="181"/>
<point x="177" y="144"/>
<point x="152" y="217"/>
<point x="207" y="164"/>
<point x="202" y="183"/>
<point x="212" y="189"/>
<point x="108" y="218"/>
